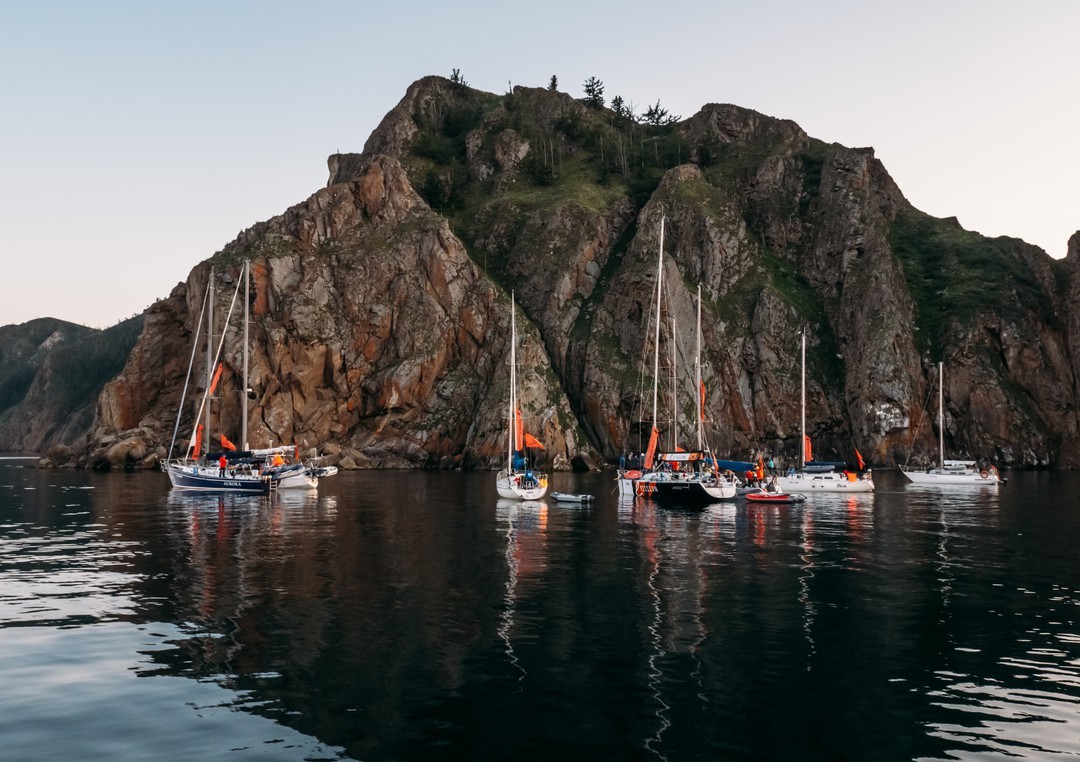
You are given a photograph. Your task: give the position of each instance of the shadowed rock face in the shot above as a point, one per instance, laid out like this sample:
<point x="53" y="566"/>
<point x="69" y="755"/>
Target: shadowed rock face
<point x="372" y="336"/>
<point x="381" y="307"/>
<point x="51" y="373"/>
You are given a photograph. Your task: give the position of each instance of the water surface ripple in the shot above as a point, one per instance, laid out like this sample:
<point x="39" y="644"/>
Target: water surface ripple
<point x="417" y="616"/>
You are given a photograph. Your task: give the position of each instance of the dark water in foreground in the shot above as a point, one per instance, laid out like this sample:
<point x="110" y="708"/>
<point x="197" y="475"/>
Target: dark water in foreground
<point x="414" y="616"/>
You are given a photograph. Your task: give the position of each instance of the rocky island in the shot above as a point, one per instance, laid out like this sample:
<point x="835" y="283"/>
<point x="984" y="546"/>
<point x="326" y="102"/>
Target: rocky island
<point x="381" y="323"/>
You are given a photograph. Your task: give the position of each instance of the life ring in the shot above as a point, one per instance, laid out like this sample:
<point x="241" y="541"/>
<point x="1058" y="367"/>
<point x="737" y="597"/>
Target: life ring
<point x="984" y="474"/>
<point x="635" y="474"/>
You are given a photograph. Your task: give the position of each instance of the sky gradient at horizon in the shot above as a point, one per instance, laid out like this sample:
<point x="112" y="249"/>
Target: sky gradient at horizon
<point x="140" y="138"/>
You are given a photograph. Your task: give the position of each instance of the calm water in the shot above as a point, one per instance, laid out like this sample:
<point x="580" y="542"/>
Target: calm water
<point x="404" y="616"/>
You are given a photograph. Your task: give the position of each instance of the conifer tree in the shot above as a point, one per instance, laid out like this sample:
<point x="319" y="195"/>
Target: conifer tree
<point x="594" y="92"/>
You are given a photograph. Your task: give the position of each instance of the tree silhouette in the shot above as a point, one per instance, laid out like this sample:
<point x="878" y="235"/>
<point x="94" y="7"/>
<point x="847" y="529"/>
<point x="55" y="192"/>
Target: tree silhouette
<point x="594" y="92"/>
<point x="658" y="115"/>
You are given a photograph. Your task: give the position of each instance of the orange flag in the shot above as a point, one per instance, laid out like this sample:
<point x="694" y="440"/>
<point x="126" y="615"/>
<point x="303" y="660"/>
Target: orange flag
<point x="225" y="443"/>
<point x="533" y="442"/>
<point x="859" y="460"/>
<point x="650" y="453"/>
<point x="217" y="377"/>
<point x="519" y="431"/>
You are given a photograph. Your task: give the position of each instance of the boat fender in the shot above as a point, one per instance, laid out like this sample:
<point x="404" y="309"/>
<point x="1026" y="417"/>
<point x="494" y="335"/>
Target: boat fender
<point x="984" y="474"/>
<point x="634" y="474"/>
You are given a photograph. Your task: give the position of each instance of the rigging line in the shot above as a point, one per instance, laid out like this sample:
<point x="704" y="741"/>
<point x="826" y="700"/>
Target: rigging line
<point x="191" y="364"/>
<point x="641" y="376"/>
<point x="918" y="424"/>
<point x="217" y="355"/>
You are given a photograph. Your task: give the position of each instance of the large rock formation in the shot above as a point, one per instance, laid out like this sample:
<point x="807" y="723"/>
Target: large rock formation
<point x="374" y="337"/>
<point x="380" y="322"/>
<point x="51" y="373"/>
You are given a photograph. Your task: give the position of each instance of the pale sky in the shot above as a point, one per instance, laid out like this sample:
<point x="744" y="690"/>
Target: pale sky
<point x="138" y="138"/>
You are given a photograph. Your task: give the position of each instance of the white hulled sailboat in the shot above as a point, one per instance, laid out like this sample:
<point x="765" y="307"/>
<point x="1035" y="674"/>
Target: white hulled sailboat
<point x="518" y="480"/>
<point x="818" y="477"/>
<point x="230" y="469"/>
<point x="949" y="472"/>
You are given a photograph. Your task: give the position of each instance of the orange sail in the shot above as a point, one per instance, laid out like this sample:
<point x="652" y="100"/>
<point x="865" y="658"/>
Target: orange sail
<point x="859" y="460"/>
<point x="808" y="450"/>
<point x="650" y="453"/>
<point x="197" y="446"/>
<point x="519" y="431"/>
<point x="702" y="401"/>
<point x="225" y="443"/>
<point x="533" y="442"/>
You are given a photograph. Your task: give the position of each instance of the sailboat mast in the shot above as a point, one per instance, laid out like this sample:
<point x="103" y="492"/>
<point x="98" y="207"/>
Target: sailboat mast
<point x="941" y="414"/>
<point x="656" y="342"/>
<point x="209" y="362"/>
<point x="697" y="374"/>
<point x="513" y="386"/>
<point x="674" y="393"/>
<point x="802" y="406"/>
<point x="244" y="387"/>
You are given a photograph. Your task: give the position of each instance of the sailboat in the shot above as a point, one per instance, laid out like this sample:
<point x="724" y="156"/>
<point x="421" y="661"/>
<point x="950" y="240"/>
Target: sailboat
<point x="518" y="480"/>
<point x="818" y="477"/>
<point x="951" y="471"/>
<point x="677" y="477"/>
<point x="230" y="469"/>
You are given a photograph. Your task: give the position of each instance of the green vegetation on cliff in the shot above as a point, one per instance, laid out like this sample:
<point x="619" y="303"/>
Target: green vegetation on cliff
<point x="570" y="156"/>
<point x="83" y="368"/>
<point x="51" y="373"/>
<point x="24" y="348"/>
<point x="955" y="274"/>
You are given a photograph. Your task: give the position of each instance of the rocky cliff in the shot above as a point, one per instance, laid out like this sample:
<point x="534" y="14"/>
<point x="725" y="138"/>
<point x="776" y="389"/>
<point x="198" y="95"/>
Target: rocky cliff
<point x="51" y="373"/>
<point x="380" y="320"/>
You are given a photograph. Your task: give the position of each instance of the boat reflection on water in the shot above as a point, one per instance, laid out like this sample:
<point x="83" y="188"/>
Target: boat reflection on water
<point x="233" y="548"/>
<point x="524" y="524"/>
<point x="404" y="615"/>
<point x="674" y="547"/>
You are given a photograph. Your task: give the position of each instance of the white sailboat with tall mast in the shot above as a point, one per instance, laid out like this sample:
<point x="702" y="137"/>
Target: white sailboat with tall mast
<point x="677" y="477"/>
<point x="230" y="469"/>
<point x="951" y="472"/>
<point x="518" y="480"/>
<point x="821" y="477"/>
